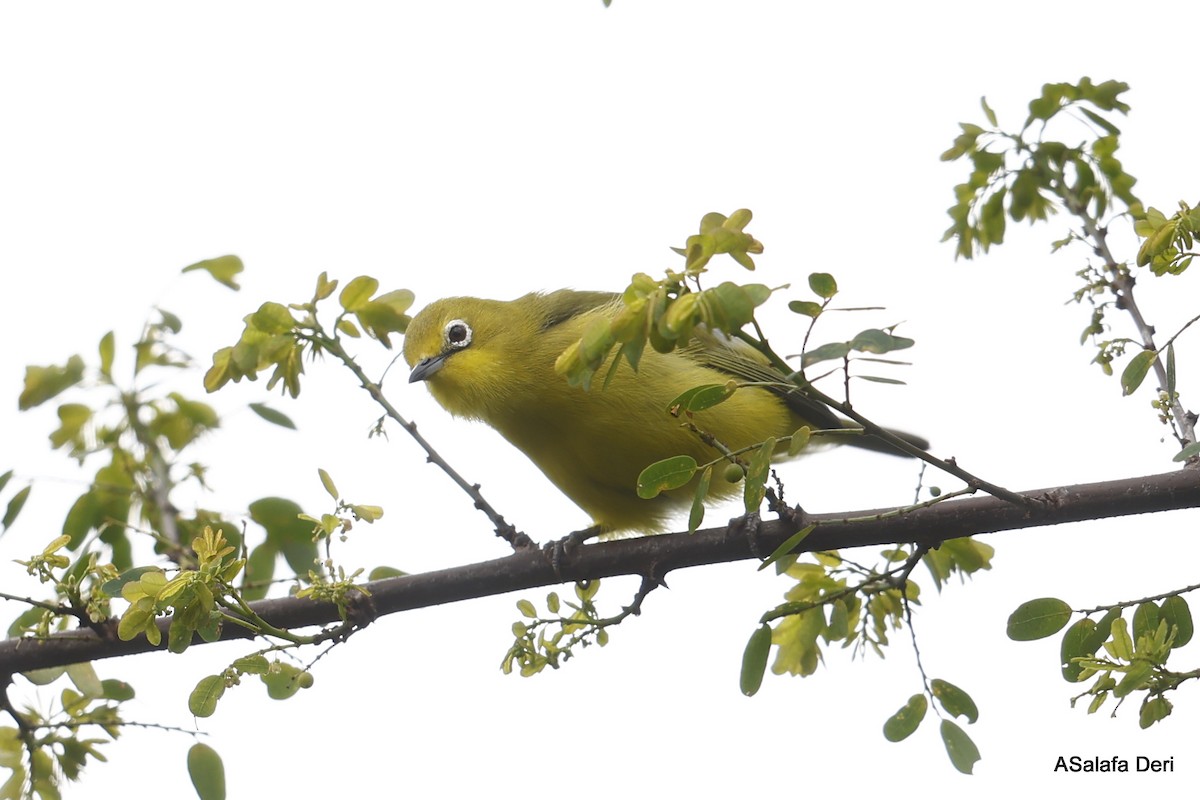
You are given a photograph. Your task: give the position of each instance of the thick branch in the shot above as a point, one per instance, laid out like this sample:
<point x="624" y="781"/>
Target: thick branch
<point x="658" y="555"/>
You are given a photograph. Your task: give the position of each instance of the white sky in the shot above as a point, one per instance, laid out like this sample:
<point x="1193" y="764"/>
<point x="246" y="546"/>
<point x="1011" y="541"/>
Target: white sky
<point x="497" y="148"/>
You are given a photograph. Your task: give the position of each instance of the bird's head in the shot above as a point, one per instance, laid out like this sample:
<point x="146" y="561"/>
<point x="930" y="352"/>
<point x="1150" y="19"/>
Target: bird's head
<point x="456" y="346"/>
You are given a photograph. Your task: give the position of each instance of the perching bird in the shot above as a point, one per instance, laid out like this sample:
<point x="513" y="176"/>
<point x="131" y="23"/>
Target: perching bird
<point x="494" y="361"/>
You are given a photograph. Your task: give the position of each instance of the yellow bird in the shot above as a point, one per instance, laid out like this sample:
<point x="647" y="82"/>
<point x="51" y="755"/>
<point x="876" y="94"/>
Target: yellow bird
<point x="493" y="361"/>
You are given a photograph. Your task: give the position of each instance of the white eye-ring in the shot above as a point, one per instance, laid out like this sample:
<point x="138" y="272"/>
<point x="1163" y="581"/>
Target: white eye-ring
<point x="457" y="334"/>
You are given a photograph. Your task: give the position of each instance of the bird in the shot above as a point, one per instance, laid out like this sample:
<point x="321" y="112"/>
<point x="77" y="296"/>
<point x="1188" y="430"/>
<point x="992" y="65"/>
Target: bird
<point x="494" y="361"/>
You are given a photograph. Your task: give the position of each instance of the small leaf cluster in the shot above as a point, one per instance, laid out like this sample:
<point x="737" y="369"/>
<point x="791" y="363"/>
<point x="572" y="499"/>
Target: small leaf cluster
<point x="720" y="234"/>
<point x="1168" y="241"/>
<point x="834" y="601"/>
<point x="954" y="701"/>
<point x="340" y="590"/>
<point x="541" y="642"/>
<point x="282" y="679"/>
<point x="342" y="520"/>
<point x="54" y="748"/>
<point x="276" y="336"/>
<point x="665" y="313"/>
<point x="139" y="432"/>
<point x="1021" y="176"/>
<point x="1121" y="657"/>
<point x="872" y="340"/>
<point x="963" y="557"/>
<point x="194" y="596"/>
<point x="1026" y="175"/>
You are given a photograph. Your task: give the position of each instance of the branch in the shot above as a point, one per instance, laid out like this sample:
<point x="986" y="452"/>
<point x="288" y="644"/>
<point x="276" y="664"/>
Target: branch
<point x="658" y="555"/>
<point x="518" y="540"/>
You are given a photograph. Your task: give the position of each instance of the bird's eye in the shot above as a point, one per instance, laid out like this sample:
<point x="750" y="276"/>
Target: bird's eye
<point x="457" y="334"/>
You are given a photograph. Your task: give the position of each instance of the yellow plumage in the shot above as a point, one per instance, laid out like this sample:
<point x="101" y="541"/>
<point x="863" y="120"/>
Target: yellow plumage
<point x="494" y="361"/>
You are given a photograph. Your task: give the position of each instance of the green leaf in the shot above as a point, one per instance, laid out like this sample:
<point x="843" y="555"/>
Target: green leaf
<point x="357" y="292"/>
<point x="954" y="700"/>
<point x="1037" y="619"/>
<point x="207" y="772"/>
<point x="988" y="112"/>
<point x="72" y="417"/>
<point x="273" y="416"/>
<point x="1108" y="127"/>
<point x="1121" y="646"/>
<point x="45" y="676"/>
<point x="399" y="300"/>
<point x="1136" y="677"/>
<point x="790" y="544"/>
<point x="1145" y="620"/>
<point x="86" y="680"/>
<point x="661" y="476"/>
<point x="170" y="321"/>
<point x="120" y="691"/>
<point x="327" y="482"/>
<point x="826" y="352"/>
<point x="1074" y="645"/>
<point x="699" y="398"/>
<point x="966" y="553"/>
<point x="286" y="532"/>
<point x="876" y="341"/>
<point x="1177" y="614"/>
<point x="203" y="700"/>
<point x="107" y="351"/>
<point x="903" y="723"/>
<point x="179" y="633"/>
<point x="224" y="269"/>
<point x="696" y="514"/>
<point x="380" y="319"/>
<point x="754" y="660"/>
<point x="806" y="307"/>
<point x="962" y="751"/>
<point x="800" y="440"/>
<point x="284" y="680"/>
<point x="14" y="507"/>
<point x="1154" y="709"/>
<point x="260" y="569"/>
<point x="1102" y="632"/>
<point x="757" y="473"/>
<point x="1135" y="371"/>
<point x="45" y="383"/>
<point x="822" y="284"/>
<point x="113" y="587"/>
<point x="272" y="318"/>
<point x="382" y="573"/>
<point x="1191" y="451"/>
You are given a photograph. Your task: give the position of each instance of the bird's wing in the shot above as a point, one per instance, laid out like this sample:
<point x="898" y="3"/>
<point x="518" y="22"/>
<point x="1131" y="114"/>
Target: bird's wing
<point x="555" y="308"/>
<point x="739" y="360"/>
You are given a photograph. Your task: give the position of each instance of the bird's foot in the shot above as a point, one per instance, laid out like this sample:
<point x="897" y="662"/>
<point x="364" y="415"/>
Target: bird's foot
<point x="750" y="525"/>
<point x="561" y="549"/>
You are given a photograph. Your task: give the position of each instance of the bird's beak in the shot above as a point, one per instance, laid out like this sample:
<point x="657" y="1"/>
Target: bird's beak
<point x="426" y="367"/>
